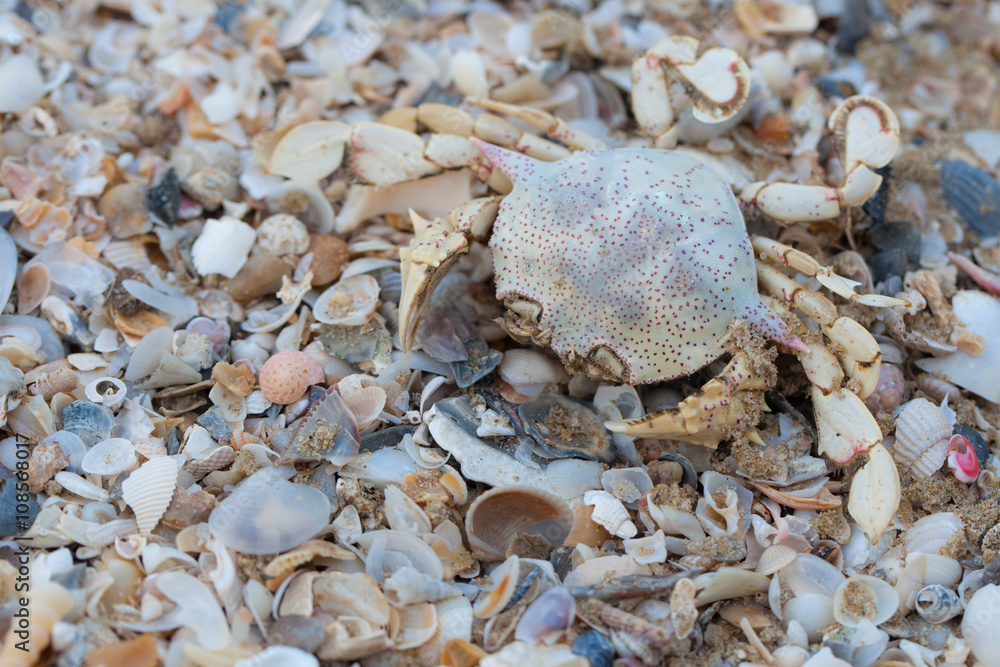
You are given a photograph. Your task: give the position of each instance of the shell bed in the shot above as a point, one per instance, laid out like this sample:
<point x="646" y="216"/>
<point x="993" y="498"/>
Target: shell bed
<point x="642" y="251"/>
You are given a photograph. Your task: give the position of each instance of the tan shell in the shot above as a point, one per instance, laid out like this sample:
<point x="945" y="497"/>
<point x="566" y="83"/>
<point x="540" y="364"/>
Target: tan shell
<point x="286" y="376"/>
<point x="875" y="493"/>
<point x="50" y="379"/>
<point x="774" y="558"/>
<point x="32" y="287"/>
<point x="584" y="530"/>
<point x="459" y="652"/>
<point x="217" y="459"/>
<point x="498" y="516"/>
<point x="366" y="404"/>
<point x="330" y="256"/>
<point x="237" y="378"/>
<point x="287" y="562"/>
<point x="149" y="489"/>
<point x="922" y="434"/>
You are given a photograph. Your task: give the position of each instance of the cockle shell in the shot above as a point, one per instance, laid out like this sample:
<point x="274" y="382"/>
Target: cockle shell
<point x="149" y="489"/>
<point x="351" y="302"/>
<point x="922" y="434"/>
<point x="610" y="513"/>
<point x="502" y="514"/>
<point x="366" y="404"/>
<point x="774" y="558"/>
<point x="663" y="258"/>
<point x="286" y="376"/>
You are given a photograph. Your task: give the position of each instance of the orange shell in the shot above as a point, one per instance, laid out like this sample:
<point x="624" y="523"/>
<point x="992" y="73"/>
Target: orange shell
<point x="286" y="376"/>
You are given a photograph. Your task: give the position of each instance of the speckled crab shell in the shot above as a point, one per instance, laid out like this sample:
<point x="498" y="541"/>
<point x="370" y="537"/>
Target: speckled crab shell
<point x="643" y="253"/>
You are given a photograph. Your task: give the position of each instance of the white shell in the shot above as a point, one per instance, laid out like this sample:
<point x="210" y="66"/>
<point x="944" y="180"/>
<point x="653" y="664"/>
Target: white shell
<point x="922" y="434"/>
<point x="403" y="514"/>
<point x="930" y="533"/>
<point x="366" y="403"/>
<point x="109" y="457"/>
<point x="389" y="550"/>
<point x="350" y="302"/>
<point x="774" y="558"/>
<point x="283" y="234"/>
<point x="80" y="486"/>
<point x="923" y="570"/>
<point x="571" y="478"/>
<point x="937" y="603"/>
<point x="646" y="550"/>
<point x="864" y="598"/>
<point x="107" y="391"/>
<point x="530" y="367"/>
<point x="149" y="489"/>
<point x="627" y="484"/>
<point x="979" y="625"/>
<point x="724" y="509"/>
<point x="610" y="513"/>
<point x="407" y="586"/>
<point x="234" y="235"/>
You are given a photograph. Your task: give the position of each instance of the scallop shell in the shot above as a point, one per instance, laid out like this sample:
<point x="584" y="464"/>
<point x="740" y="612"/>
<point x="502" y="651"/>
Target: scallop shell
<point x="502" y="514"/>
<point x="286" y="376"/>
<point x="774" y="558"/>
<point x="610" y="513"/>
<point x="864" y="598"/>
<point x="283" y="234"/>
<point x="109" y="457"/>
<point x="149" y="489"/>
<point x="32" y="287"/>
<point x="922" y="434"/>
<point x="366" y="404"/>
<point x="351" y="302"/>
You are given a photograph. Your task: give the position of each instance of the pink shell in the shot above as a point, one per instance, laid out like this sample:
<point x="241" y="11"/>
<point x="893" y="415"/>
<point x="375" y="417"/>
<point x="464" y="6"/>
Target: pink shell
<point x="962" y="459"/>
<point x="286" y="376"/>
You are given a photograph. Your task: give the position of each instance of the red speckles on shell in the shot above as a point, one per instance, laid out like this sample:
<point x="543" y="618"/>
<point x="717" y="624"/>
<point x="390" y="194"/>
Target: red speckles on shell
<point x="286" y="376"/>
<point x="644" y="251"/>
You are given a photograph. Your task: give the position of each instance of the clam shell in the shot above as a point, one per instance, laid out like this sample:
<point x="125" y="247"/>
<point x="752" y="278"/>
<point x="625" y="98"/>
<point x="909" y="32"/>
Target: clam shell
<point x="979" y="625"/>
<point x="149" y="489"/>
<point x="351" y="302"/>
<point x="774" y="558"/>
<point x="530" y="367"/>
<point x="547" y="618"/>
<point x="403" y="514"/>
<point x="32" y="287"/>
<point x="922" y="434"/>
<point x="110" y="457"/>
<point x="864" y="598"/>
<point x="502" y="514"/>
<point x="627" y="484"/>
<point x="389" y="550"/>
<point x="505" y="579"/>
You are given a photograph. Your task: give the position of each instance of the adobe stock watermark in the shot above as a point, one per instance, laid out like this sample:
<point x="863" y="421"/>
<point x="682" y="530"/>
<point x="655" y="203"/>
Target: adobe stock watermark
<point x="21" y="621"/>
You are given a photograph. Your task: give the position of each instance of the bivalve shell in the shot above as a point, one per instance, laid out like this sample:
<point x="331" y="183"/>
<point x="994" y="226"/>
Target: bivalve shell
<point x="366" y="404"/>
<point x="496" y="518"/>
<point x="774" y="558"/>
<point x="979" y="625"/>
<point x="863" y="598"/>
<point x="922" y="434"/>
<point x="351" y="302"/>
<point x="109" y="457"/>
<point x="149" y="489"/>
<point x="32" y="287"/>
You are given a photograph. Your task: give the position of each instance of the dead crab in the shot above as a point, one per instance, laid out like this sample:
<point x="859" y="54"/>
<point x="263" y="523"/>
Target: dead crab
<point x="632" y="264"/>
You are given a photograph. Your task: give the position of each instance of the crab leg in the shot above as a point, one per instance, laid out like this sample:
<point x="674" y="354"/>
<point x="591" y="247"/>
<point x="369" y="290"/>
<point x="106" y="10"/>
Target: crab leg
<point x="556" y="128"/>
<point x="869" y="133"/>
<point x="704" y="418"/>
<point x="436" y="246"/>
<point x="718" y="83"/>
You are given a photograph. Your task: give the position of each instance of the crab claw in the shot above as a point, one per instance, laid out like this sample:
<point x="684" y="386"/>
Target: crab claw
<point x="962" y="459"/>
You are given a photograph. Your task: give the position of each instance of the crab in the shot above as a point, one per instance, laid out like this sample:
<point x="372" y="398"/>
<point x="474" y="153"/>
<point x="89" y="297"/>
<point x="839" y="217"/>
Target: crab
<point x="633" y="264"/>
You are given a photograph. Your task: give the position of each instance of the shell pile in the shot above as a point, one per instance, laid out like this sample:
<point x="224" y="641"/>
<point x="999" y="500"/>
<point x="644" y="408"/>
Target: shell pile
<point x="214" y="450"/>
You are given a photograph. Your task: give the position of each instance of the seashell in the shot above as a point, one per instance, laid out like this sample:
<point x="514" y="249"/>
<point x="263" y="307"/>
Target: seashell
<point x="234" y="235"/>
<point x="257" y="403"/>
<point x="216" y="459"/>
<point x="647" y="550"/>
<point x="403" y="514"/>
<point x="163" y="199"/>
<point x="523" y="368"/>
<point x="149" y="489"/>
<point x="310" y="152"/>
<point x="979" y="626"/>
<point x="107" y="391"/>
<point x="330" y="256"/>
<point x="875" y="493"/>
<point x="461" y="653"/>
<point x="610" y="513"/>
<point x="407" y="586"/>
<point x="306" y="202"/>
<point x="123" y="207"/>
<point x="109" y="457"/>
<point x="566" y="427"/>
<point x="328" y="431"/>
<point x="932" y="532"/>
<point x="50" y="602"/>
<point x="197" y="608"/>
<point x="963" y="460"/>
<point x="417" y="625"/>
<point x="775" y="558"/>
<point x="61" y="380"/>
<point x="266" y="514"/>
<point x="32" y="287"/>
<point x="547" y="618"/>
<point x="497" y="517"/>
<point x="389" y="550"/>
<point x="627" y="484"/>
<point x="727" y="583"/>
<point x="864" y="598"/>
<point x="350" y="302"/>
<point x="571" y="478"/>
<point x="974" y="193"/>
<point x="283" y="234"/>
<point x="366" y="404"/>
<point x="938" y="604"/>
<point x="922" y="569"/>
<point x="889" y="390"/>
<point x="724" y="508"/>
<point x="286" y="376"/>
<point x="20" y="75"/>
<point x="505" y="578"/>
<point x="922" y="434"/>
<point x="286" y="563"/>
<point x="80" y="486"/>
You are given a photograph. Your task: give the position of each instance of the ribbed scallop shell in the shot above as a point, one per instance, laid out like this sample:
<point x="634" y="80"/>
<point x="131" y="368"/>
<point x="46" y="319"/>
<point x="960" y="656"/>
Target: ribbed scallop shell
<point x="366" y="404"/>
<point x="350" y="302"/>
<point x="922" y="434"/>
<point x="501" y="514"/>
<point x="217" y="459"/>
<point x="286" y="376"/>
<point x="149" y="489"/>
<point x="774" y="558"/>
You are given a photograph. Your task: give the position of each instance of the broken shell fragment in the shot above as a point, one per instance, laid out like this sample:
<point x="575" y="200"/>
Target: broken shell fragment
<point x="234" y="235"/>
<point x="499" y="516"/>
<point x="327" y="432"/>
<point x="875" y="493"/>
<point x="565" y="427"/>
<point x="32" y="287"/>
<point x="286" y="376"/>
<point x="351" y="302"/>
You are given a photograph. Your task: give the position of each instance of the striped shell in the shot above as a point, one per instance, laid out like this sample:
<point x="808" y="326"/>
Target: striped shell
<point x="496" y="518"/>
<point x="922" y="434"/>
<point x="774" y="558"/>
<point x="610" y="513"/>
<point x="149" y="489"/>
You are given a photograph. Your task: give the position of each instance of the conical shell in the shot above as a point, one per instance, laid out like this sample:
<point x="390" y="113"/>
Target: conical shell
<point x="149" y="489"/>
<point x="610" y="513"/>
<point x="774" y="558"/>
<point x="32" y="287"/>
<point x="501" y="514"/>
<point x="922" y="434"/>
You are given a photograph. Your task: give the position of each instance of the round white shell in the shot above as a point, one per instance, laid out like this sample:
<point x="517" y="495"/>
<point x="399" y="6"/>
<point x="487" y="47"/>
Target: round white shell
<point x="109" y="457"/>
